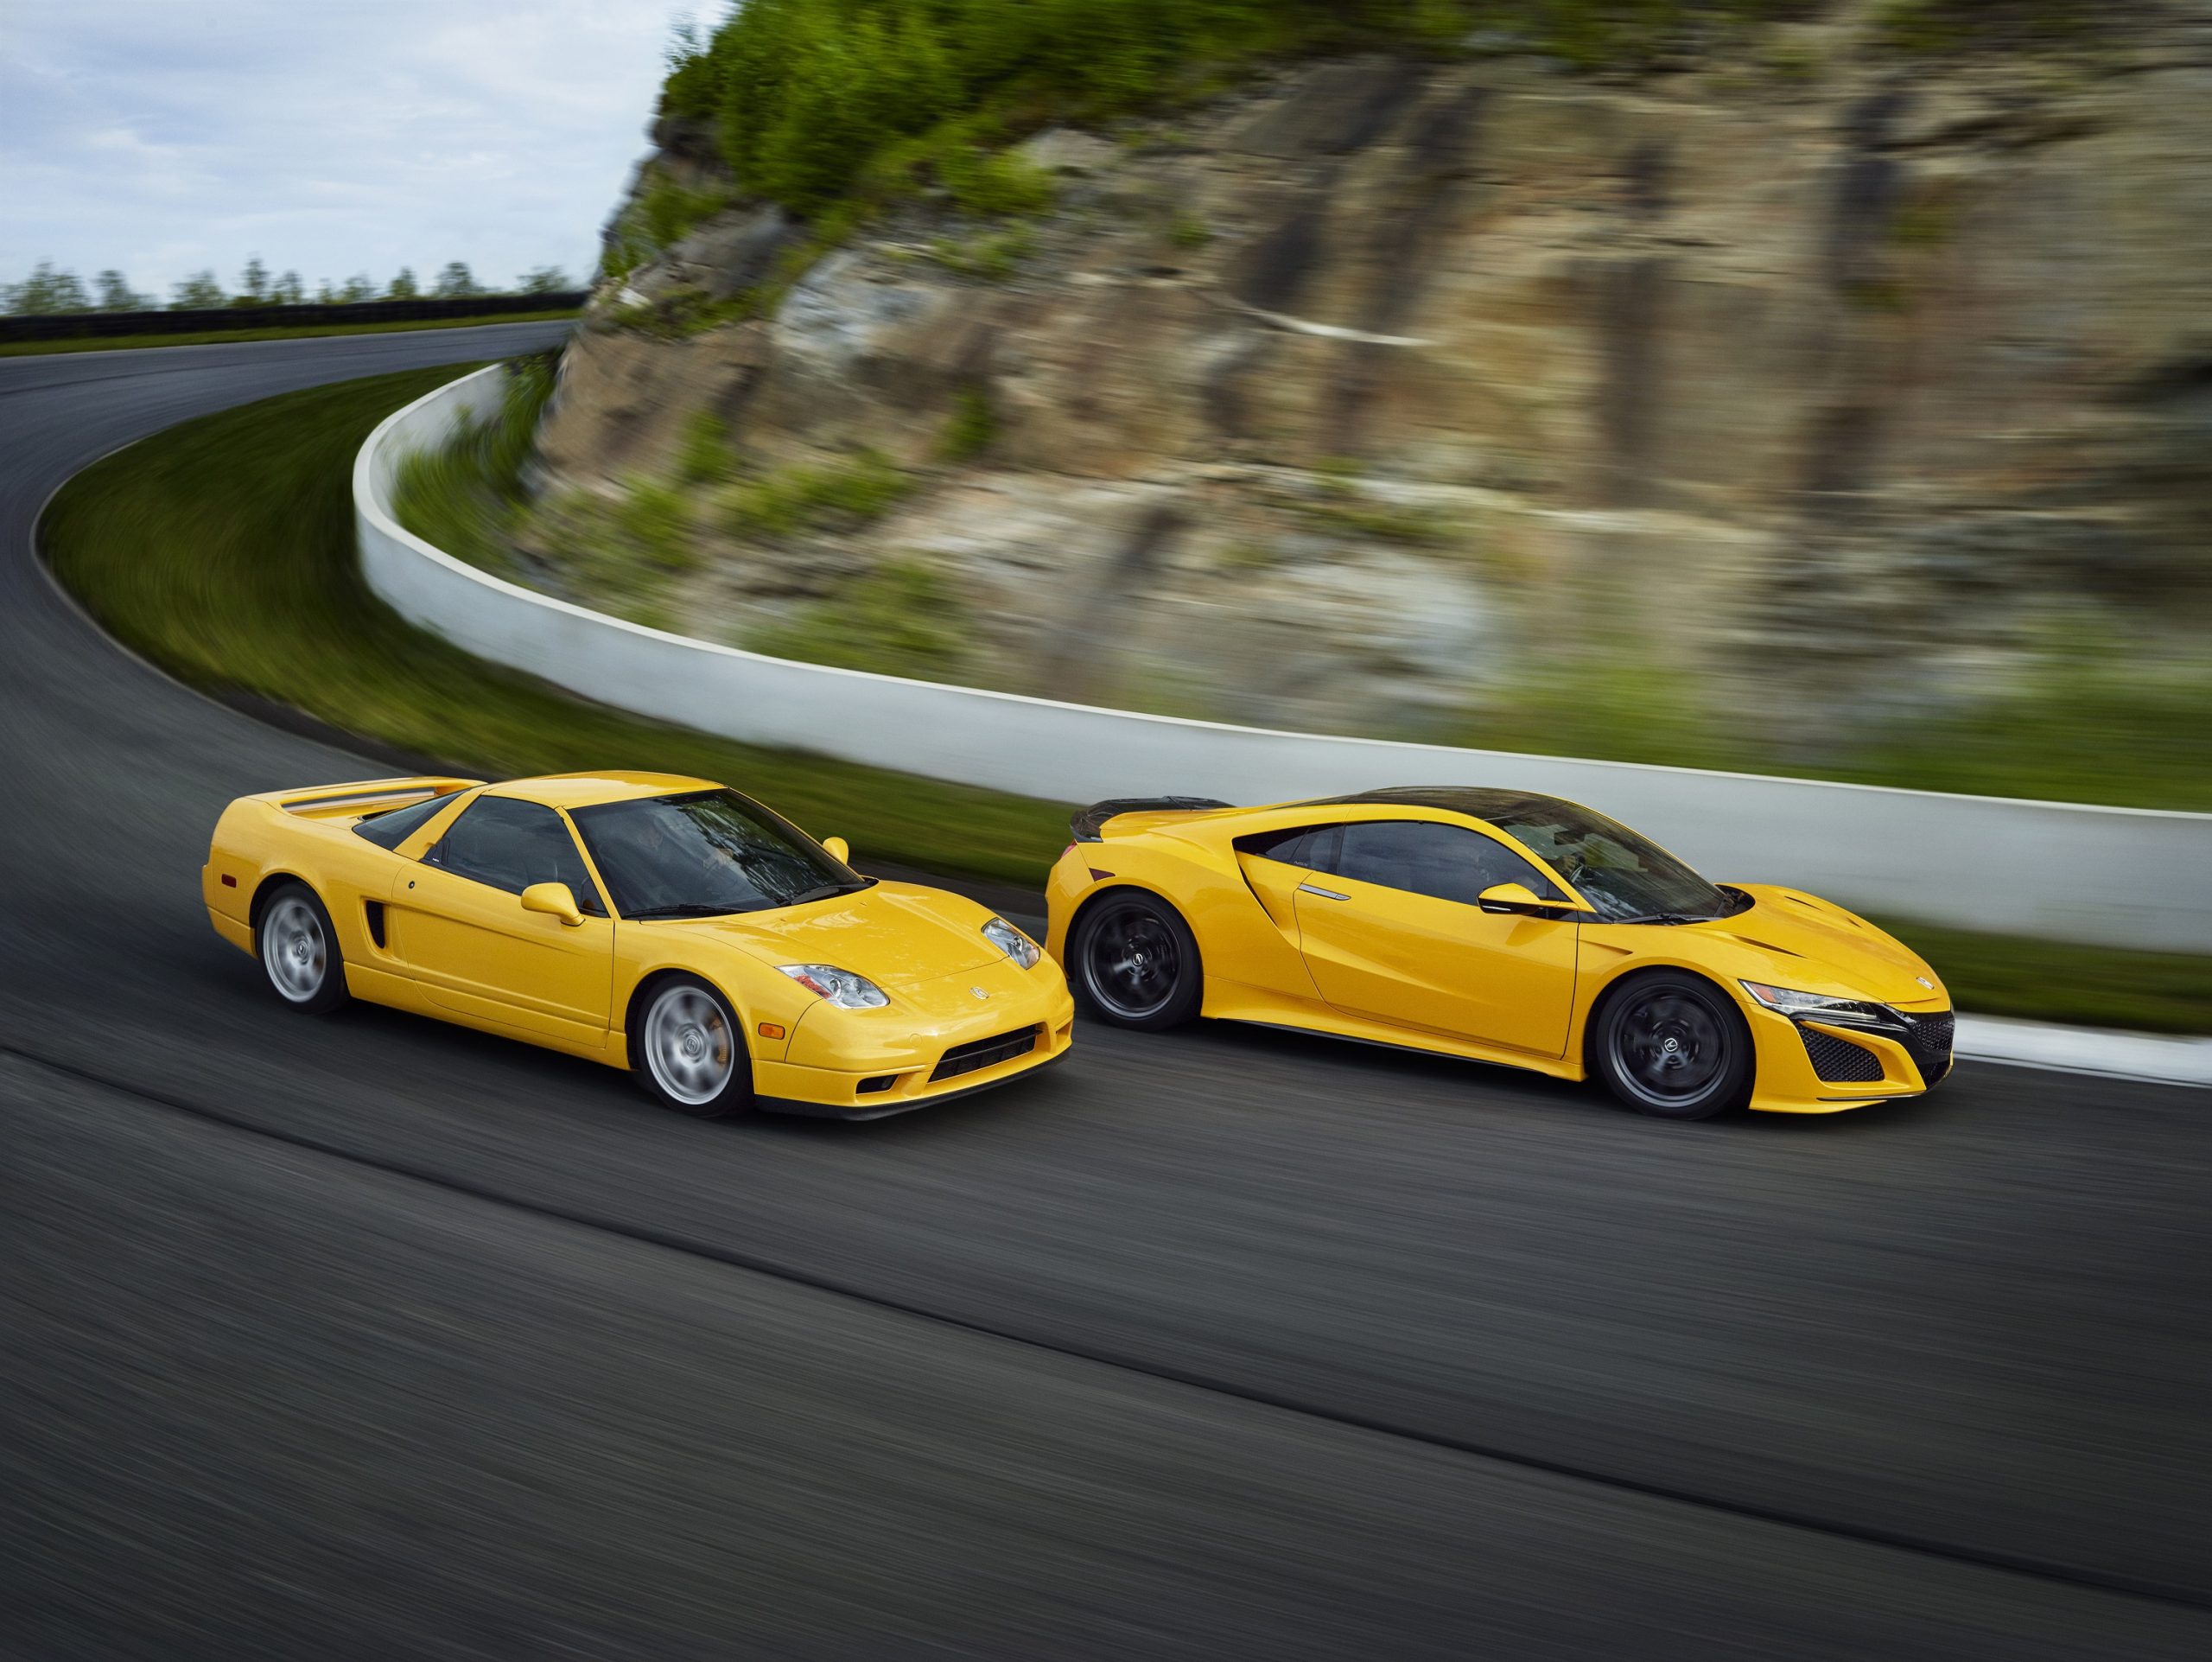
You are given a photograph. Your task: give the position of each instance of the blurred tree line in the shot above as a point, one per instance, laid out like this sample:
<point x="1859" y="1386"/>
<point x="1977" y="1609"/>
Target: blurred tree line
<point x="808" y="98"/>
<point x="804" y="94"/>
<point x="49" y="289"/>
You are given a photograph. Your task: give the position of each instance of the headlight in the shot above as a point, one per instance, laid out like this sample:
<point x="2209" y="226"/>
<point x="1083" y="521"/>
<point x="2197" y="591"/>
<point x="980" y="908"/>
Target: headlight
<point x="1849" y="1012"/>
<point x="839" y="987"/>
<point x="1011" y="942"/>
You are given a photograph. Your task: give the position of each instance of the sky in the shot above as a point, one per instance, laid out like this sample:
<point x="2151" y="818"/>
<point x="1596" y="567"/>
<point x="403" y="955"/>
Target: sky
<point x="161" y="137"/>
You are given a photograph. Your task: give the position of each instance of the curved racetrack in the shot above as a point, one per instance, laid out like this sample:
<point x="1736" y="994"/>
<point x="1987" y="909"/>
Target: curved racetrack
<point x="375" y="1336"/>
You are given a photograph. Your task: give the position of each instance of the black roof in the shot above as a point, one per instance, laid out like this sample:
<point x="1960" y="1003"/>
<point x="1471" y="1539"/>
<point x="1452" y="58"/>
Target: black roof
<point x="1476" y="801"/>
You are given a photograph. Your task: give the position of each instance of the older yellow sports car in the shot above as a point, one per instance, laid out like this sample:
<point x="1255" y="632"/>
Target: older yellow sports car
<point x="664" y="925"/>
<point x="1499" y="926"/>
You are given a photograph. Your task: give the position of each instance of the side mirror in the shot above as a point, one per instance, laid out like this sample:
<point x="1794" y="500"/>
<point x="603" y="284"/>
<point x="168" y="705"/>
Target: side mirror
<point x="555" y="899"/>
<point x="840" y="850"/>
<point x="1519" y="897"/>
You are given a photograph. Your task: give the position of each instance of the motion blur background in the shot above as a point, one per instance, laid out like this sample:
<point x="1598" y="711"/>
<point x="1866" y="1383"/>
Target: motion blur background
<point x="1813" y="388"/>
<point x="1793" y="387"/>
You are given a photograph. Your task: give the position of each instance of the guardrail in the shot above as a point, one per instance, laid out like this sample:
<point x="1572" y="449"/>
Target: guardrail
<point x="71" y="326"/>
<point x="2068" y="871"/>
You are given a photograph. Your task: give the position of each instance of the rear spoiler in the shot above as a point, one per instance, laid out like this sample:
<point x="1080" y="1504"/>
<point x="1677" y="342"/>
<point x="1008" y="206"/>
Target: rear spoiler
<point x="365" y="797"/>
<point x="1086" y="825"/>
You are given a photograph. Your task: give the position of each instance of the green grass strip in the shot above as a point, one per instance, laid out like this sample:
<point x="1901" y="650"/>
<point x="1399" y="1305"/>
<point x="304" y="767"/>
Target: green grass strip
<point x="223" y="550"/>
<point x="213" y="337"/>
<point x="2058" y="981"/>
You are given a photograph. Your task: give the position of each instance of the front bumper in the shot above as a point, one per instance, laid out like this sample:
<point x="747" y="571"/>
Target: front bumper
<point x="865" y="1064"/>
<point x="1790" y="1080"/>
<point x="878" y="1107"/>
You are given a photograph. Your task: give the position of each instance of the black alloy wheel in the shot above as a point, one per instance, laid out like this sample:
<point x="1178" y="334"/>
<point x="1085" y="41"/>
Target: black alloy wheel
<point x="1669" y="1044"/>
<point x="1136" y="962"/>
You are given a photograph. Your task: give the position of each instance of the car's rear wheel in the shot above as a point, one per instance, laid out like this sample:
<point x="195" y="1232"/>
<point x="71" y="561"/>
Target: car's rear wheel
<point x="298" y="949"/>
<point x="1136" y="961"/>
<point x="1672" y="1045"/>
<point x="687" y="1051"/>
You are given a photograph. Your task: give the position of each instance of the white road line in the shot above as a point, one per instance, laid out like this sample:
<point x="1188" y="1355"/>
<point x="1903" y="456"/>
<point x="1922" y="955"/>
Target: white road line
<point x="2148" y="1056"/>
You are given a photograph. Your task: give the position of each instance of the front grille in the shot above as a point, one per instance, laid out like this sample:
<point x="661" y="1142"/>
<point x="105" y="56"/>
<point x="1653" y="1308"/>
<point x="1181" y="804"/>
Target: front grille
<point x="1839" y="1061"/>
<point x="979" y="1054"/>
<point x="1928" y="1042"/>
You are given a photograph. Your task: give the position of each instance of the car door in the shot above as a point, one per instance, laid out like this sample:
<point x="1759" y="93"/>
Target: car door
<point x="1393" y="933"/>
<point x="456" y="924"/>
<point x="1273" y="864"/>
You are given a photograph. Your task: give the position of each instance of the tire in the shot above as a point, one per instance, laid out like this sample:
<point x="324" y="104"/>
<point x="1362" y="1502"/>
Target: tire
<point x="298" y="949"/>
<point x="1671" y="1045"/>
<point x="687" y="1049"/>
<point x="1136" y="962"/>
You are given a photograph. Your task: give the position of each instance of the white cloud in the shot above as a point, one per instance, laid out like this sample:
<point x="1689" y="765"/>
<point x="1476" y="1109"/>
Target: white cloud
<point x="158" y="136"/>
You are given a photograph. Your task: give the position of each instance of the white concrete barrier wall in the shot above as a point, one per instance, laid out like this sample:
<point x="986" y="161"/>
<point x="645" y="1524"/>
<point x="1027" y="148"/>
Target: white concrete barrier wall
<point x="2120" y="876"/>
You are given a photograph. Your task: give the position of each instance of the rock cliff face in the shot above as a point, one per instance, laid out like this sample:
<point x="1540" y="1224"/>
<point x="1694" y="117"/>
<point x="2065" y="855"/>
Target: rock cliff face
<point x="1801" y="396"/>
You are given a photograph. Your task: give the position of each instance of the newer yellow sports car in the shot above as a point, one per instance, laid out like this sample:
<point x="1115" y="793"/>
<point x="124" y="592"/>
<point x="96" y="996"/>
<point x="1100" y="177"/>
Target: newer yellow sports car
<point x="664" y="925"/>
<point x="1499" y="926"/>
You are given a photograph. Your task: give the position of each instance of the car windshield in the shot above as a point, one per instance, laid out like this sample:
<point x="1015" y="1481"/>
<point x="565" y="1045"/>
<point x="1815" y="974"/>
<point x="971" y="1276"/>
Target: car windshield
<point x="1626" y="877"/>
<point x="706" y="854"/>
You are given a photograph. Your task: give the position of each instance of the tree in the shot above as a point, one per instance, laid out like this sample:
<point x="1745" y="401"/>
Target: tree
<point x="116" y="294"/>
<point x="358" y="288"/>
<point x="683" y="45"/>
<point x="544" y="280"/>
<point x="403" y="287"/>
<point x="288" y="290"/>
<point x="456" y="282"/>
<point x="197" y="292"/>
<point x="253" y="284"/>
<point x="46" y="291"/>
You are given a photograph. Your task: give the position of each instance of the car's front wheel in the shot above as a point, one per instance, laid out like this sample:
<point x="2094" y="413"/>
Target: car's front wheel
<point x="1136" y="961"/>
<point x="687" y="1051"/>
<point x="298" y="949"/>
<point x="1671" y="1044"/>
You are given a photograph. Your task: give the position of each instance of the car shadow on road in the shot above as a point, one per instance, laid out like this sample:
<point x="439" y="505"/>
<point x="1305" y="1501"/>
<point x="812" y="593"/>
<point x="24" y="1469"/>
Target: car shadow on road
<point x="1215" y="1056"/>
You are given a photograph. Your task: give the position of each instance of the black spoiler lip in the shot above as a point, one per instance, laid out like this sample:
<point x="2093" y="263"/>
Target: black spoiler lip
<point x="1087" y="824"/>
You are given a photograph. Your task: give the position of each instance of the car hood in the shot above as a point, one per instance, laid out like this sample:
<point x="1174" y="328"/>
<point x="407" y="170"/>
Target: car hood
<point x="894" y="933"/>
<point x="1789" y="938"/>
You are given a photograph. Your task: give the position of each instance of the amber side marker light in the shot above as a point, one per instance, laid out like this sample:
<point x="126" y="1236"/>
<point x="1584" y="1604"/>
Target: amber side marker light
<point x="772" y="1030"/>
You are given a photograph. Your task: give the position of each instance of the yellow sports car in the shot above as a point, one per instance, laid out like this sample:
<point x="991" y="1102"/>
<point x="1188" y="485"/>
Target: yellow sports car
<point x="1499" y="926"/>
<point x="664" y="925"/>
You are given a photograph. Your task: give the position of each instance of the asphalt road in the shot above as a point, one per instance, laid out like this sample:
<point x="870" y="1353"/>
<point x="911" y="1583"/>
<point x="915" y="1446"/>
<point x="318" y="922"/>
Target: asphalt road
<point x="376" y="1337"/>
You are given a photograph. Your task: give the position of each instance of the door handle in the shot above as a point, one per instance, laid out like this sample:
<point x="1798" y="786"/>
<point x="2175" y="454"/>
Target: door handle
<point x="1320" y="893"/>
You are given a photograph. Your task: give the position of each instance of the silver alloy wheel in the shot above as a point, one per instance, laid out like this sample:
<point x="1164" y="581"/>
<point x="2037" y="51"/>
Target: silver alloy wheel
<point x="688" y="1045"/>
<point x="294" y="949"/>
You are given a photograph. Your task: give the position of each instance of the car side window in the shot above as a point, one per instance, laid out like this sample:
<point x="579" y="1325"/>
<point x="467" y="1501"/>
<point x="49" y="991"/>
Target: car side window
<point x="510" y="844"/>
<point x="1426" y="856"/>
<point x="1311" y="846"/>
<point x="390" y="830"/>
